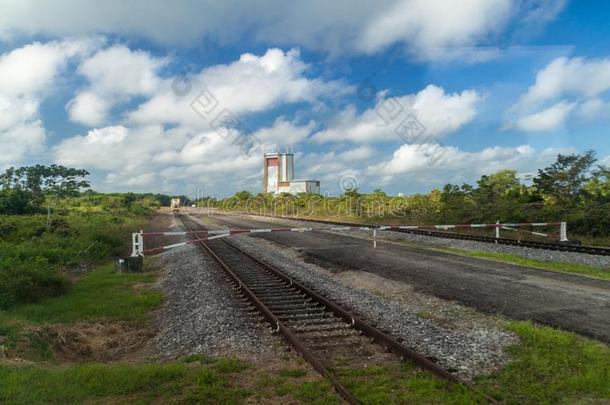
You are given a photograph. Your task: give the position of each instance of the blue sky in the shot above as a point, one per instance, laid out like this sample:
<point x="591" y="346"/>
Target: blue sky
<point x="404" y="95"/>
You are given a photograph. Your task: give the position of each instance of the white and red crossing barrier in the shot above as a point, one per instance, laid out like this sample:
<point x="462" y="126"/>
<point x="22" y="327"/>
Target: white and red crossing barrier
<point x="563" y="230"/>
<point x="180" y="244"/>
<point x="138" y="237"/>
<point x="226" y="231"/>
<point x="496" y="225"/>
<point x="139" y="250"/>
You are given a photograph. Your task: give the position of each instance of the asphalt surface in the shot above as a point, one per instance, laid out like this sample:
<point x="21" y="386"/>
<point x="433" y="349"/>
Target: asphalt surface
<point x="567" y="301"/>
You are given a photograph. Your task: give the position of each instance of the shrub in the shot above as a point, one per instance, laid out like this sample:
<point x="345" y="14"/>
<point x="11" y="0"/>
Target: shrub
<point x="18" y="202"/>
<point x="7" y="229"/>
<point x="22" y="282"/>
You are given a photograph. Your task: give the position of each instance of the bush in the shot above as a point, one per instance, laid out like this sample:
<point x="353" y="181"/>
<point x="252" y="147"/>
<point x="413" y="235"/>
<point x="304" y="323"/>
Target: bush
<point x="22" y="282"/>
<point x="35" y="250"/>
<point x="17" y="202"/>
<point x="7" y="229"/>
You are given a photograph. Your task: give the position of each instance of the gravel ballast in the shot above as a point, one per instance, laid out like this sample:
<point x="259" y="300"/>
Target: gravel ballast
<point x="471" y="345"/>
<point x="201" y="313"/>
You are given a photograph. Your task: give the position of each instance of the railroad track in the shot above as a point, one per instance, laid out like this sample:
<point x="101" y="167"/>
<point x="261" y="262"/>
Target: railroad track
<point x="324" y="333"/>
<point x="560" y="247"/>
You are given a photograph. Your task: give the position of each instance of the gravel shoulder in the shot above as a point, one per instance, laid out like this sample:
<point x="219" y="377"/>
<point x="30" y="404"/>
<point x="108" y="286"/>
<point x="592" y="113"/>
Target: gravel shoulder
<point x="201" y="314"/>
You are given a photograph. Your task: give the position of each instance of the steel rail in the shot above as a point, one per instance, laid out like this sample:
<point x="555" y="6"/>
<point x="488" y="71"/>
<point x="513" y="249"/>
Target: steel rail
<point x="381" y="338"/>
<point x="281" y="327"/>
<point x="369" y="330"/>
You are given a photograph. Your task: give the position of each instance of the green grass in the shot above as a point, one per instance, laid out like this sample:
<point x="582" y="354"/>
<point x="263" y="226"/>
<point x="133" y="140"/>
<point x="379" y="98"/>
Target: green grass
<point x="561" y="267"/>
<point x="177" y="382"/>
<point x="34" y="251"/>
<point x="547" y="366"/>
<point x="101" y="294"/>
<point x="122" y="383"/>
<point x="403" y="383"/>
<point x="289" y="384"/>
<point x="552" y="366"/>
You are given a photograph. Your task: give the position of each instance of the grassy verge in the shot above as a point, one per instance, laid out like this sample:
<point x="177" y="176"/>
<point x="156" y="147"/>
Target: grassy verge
<point x="552" y="366"/>
<point x="212" y="381"/>
<point x="561" y="267"/>
<point x="99" y="295"/>
<point x="547" y="366"/>
<point x="34" y="251"/>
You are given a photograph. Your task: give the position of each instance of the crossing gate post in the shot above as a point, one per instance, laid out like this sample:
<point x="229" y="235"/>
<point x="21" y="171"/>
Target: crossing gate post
<point x="563" y="232"/>
<point x="137" y="244"/>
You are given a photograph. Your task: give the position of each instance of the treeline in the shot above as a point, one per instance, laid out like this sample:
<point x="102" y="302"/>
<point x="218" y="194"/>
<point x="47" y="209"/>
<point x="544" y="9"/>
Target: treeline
<point x="33" y="189"/>
<point x="23" y="189"/>
<point x="574" y="188"/>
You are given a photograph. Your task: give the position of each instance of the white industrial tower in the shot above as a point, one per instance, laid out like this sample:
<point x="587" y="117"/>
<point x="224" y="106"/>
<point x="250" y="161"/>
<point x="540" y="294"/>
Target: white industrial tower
<point x="279" y="175"/>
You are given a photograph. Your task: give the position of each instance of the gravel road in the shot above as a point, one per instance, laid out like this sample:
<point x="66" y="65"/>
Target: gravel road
<point x="564" y="300"/>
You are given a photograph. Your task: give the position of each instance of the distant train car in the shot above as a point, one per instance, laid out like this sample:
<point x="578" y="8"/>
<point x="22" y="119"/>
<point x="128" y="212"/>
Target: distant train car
<point x="175" y="204"/>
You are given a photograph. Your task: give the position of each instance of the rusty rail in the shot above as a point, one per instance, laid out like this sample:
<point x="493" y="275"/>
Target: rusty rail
<point x="381" y="338"/>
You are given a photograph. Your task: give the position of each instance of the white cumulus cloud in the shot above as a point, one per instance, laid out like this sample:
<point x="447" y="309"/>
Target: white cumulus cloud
<point x="546" y="120"/>
<point x="427" y="25"/>
<point x="344" y="26"/>
<point x="115" y="74"/>
<point x="440" y="113"/>
<point x="566" y="86"/>
<point x="436" y="165"/>
<point x="251" y="84"/>
<point x="27" y="75"/>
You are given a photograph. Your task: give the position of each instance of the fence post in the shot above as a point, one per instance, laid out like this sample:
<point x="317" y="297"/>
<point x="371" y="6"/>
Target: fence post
<point x="134" y="244"/>
<point x="141" y="242"/>
<point x="563" y="232"/>
<point x="374" y="238"/>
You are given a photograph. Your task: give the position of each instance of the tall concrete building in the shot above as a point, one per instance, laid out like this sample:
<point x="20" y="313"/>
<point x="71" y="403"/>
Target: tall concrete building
<point x="279" y="176"/>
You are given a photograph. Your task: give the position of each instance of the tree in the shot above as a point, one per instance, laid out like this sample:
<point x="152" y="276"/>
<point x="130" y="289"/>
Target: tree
<point x="55" y="180"/>
<point x="457" y="204"/>
<point x="243" y="195"/>
<point x="496" y="196"/>
<point x="24" y="189"/>
<point x="564" y="180"/>
<point x="598" y="186"/>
